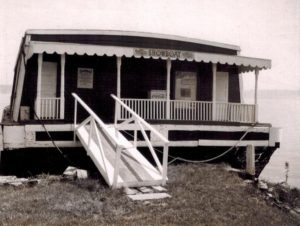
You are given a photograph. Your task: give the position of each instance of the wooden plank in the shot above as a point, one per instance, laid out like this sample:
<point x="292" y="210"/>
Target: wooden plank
<point x="145" y="189"/>
<point x="159" y="188"/>
<point x="134" y="167"/>
<point x="130" y="191"/>
<point x="141" y="197"/>
<point x="228" y="143"/>
<point x="94" y="153"/>
<point x="140" y="183"/>
<point x="136" y="159"/>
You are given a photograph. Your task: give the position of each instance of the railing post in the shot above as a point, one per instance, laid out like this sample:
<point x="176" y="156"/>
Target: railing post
<point x="255" y="95"/>
<point x="214" y="92"/>
<point x="119" y="64"/>
<point x="117" y="167"/>
<point x="169" y="64"/>
<point x="165" y="164"/>
<point x="62" y="86"/>
<point x="39" y="85"/>
<point x="75" y="119"/>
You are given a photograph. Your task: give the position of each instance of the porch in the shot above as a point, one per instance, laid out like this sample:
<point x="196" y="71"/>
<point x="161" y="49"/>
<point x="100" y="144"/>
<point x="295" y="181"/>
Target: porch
<point x="185" y="91"/>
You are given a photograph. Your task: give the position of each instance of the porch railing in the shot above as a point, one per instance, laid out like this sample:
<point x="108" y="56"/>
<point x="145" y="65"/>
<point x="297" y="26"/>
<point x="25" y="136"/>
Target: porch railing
<point x="156" y="109"/>
<point x="49" y="108"/>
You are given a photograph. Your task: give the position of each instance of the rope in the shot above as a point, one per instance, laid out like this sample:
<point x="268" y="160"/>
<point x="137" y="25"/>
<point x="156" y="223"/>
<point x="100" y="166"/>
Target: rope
<point x="206" y="160"/>
<point x="53" y="142"/>
<point x="216" y="157"/>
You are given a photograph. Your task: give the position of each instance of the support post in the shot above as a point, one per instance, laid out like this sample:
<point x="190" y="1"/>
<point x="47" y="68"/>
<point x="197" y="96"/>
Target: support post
<point x="165" y="164"/>
<point x="62" y="85"/>
<point x="169" y="65"/>
<point x="255" y="95"/>
<point x="117" y="113"/>
<point x="39" y="85"/>
<point x="250" y="160"/>
<point x="20" y="73"/>
<point x="214" y="94"/>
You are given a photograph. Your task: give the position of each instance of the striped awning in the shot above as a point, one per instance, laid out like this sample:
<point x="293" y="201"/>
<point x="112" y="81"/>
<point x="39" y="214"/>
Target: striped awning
<point x="245" y="64"/>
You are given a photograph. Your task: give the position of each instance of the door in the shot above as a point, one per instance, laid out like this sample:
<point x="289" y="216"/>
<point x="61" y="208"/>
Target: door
<point x="49" y="101"/>
<point x="49" y="79"/>
<point x="222" y="79"/>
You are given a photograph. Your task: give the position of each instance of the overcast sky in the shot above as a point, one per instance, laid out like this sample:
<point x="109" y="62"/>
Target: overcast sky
<point x="262" y="28"/>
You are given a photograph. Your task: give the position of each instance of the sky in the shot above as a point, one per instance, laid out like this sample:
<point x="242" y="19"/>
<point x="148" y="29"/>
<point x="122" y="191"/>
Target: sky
<point x="262" y="28"/>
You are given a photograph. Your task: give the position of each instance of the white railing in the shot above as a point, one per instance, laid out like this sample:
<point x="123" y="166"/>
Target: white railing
<point x="142" y="125"/>
<point x="97" y="127"/>
<point x="146" y="108"/>
<point x="156" y="109"/>
<point x="235" y="112"/>
<point x="191" y="110"/>
<point x="49" y="108"/>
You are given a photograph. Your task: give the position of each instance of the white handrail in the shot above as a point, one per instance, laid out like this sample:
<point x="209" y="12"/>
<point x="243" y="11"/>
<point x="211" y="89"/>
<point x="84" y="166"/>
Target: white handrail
<point x="141" y="122"/>
<point x="152" y="129"/>
<point x="98" y="120"/>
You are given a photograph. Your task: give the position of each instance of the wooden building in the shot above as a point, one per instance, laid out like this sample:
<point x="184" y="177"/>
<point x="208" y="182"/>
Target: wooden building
<point x="187" y="92"/>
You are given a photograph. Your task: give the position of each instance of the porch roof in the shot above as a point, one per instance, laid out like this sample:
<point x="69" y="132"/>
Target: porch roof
<point x="245" y="64"/>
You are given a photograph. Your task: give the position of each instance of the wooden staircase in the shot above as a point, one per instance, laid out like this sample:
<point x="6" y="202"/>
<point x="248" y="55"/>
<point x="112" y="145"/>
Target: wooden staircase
<point x="117" y="159"/>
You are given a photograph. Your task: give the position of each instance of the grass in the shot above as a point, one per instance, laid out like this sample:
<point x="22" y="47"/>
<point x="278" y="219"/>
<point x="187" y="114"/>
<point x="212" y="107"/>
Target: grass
<point x="201" y="195"/>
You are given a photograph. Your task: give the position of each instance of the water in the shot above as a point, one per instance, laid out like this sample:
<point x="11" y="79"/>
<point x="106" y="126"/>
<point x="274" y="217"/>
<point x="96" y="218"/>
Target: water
<point x="4" y="101"/>
<point x="282" y="109"/>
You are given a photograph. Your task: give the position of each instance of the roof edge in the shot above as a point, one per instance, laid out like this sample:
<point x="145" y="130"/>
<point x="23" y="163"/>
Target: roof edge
<point x="129" y="33"/>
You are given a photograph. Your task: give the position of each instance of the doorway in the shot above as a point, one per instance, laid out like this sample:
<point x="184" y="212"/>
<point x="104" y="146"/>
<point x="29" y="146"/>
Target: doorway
<point x="222" y="79"/>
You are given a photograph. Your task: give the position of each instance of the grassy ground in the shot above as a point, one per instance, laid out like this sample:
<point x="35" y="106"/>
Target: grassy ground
<point x="201" y="195"/>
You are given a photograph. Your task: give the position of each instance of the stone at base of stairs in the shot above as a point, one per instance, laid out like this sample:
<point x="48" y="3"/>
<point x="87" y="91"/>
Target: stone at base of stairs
<point x="148" y="196"/>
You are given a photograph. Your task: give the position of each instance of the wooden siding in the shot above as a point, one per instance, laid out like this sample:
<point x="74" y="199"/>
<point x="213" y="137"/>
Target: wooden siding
<point x="204" y="78"/>
<point x="104" y="83"/>
<point x="139" y="76"/>
<point x="215" y="135"/>
<point x="30" y="84"/>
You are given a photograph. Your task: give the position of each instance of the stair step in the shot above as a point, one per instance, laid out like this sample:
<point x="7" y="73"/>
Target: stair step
<point x="148" y="196"/>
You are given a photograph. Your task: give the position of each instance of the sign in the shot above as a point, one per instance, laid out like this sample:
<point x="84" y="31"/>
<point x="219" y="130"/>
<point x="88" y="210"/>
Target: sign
<point x="85" y="78"/>
<point x="164" y="53"/>
<point x="185" y="85"/>
<point x="158" y="94"/>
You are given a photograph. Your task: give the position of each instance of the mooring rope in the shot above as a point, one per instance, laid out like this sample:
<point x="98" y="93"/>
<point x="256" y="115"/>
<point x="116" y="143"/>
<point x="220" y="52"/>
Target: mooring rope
<point x="52" y="140"/>
<point x="205" y="160"/>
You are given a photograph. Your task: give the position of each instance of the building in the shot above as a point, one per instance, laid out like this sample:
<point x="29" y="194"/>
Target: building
<point x="187" y="91"/>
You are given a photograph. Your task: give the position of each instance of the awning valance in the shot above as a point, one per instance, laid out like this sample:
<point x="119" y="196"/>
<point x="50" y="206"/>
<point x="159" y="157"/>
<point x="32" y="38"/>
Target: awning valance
<point x="244" y="64"/>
